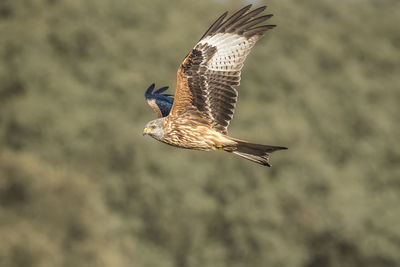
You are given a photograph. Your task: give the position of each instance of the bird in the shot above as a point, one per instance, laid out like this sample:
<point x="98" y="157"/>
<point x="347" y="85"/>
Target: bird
<point x="205" y="99"/>
<point x="160" y="103"/>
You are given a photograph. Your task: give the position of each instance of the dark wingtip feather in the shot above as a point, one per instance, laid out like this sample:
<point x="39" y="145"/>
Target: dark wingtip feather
<point x="149" y="90"/>
<point x="237" y="15"/>
<point x="162" y="89"/>
<point x="260" y="30"/>
<point x="241" y="22"/>
<point x="215" y="25"/>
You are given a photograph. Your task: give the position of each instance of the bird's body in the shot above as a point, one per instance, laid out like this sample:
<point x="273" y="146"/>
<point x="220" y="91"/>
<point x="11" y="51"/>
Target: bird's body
<point x="194" y="135"/>
<point x="205" y="98"/>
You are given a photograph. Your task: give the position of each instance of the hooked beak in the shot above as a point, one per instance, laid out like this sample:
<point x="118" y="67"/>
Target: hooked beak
<point x="146" y="131"/>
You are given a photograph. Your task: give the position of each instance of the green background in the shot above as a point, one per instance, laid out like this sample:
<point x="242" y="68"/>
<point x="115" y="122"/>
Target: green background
<point x="81" y="186"/>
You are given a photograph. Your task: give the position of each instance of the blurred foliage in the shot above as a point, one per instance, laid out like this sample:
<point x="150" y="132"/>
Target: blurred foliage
<point x="80" y="186"/>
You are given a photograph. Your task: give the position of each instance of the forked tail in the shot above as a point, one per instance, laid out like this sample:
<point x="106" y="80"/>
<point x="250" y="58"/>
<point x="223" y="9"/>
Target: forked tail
<point x="255" y="152"/>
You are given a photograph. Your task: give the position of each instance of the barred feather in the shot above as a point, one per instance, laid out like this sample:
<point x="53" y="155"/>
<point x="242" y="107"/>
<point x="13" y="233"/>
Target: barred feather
<point x="207" y="75"/>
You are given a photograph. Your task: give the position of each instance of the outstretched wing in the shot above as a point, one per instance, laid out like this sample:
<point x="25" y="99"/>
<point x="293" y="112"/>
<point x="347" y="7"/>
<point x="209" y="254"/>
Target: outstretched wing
<point x="159" y="102"/>
<point x="204" y="89"/>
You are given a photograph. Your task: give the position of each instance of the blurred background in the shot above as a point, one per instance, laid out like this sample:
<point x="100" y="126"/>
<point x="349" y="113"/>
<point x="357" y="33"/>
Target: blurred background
<point x="81" y="186"/>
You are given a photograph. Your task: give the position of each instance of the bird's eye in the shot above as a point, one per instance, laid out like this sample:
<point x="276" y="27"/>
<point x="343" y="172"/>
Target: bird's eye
<point x="153" y="127"/>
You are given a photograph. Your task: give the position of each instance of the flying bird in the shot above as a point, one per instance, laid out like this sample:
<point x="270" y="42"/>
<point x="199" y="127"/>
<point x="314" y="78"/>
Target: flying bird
<point x="205" y="99"/>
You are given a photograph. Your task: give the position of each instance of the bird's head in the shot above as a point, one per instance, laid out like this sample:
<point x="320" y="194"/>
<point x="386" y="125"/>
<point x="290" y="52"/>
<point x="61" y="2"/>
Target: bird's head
<point x="155" y="129"/>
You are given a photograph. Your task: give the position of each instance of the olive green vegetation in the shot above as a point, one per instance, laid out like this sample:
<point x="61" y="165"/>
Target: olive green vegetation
<point x="81" y="186"/>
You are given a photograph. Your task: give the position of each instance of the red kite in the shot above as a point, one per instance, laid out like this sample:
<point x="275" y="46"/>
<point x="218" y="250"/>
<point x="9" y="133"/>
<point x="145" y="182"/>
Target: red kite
<point x="205" y="99"/>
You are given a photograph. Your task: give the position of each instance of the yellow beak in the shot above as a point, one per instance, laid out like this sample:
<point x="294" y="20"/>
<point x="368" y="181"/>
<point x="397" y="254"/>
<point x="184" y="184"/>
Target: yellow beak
<point x="146" y="131"/>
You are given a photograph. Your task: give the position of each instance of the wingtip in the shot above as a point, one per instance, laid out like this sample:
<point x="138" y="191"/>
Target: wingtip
<point x="248" y="6"/>
<point x="162" y="89"/>
<point x="259" y="9"/>
<point x="263" y="7"/>
<point x="149" y="90"/>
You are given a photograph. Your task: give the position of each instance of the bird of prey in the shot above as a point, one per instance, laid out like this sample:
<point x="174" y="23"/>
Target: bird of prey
<point x="205" y="99"/>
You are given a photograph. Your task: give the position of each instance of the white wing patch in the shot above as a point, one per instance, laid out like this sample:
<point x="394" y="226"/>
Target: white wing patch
<point x="232" y="50"/>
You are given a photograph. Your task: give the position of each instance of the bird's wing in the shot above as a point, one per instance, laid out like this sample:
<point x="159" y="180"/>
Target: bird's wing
<point x="205" y="78"/>
<point x="159" y="102"/>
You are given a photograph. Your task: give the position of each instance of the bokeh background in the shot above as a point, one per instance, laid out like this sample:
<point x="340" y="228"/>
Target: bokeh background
<point x="81" y="186"/>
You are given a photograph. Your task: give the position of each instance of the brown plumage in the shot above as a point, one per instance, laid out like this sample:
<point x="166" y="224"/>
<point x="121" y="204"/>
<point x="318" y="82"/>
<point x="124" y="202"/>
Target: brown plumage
<point x="205" y="98"/>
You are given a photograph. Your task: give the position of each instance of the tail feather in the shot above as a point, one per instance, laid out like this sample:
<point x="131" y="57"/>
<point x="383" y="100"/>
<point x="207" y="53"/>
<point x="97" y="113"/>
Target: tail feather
<point x="255" y="152"/>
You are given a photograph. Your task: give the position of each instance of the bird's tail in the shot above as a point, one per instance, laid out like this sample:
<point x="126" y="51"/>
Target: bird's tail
<point x="255" y="152"/>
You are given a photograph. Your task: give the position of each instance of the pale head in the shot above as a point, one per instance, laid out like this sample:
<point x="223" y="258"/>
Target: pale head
<point x="155" y="129"/>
